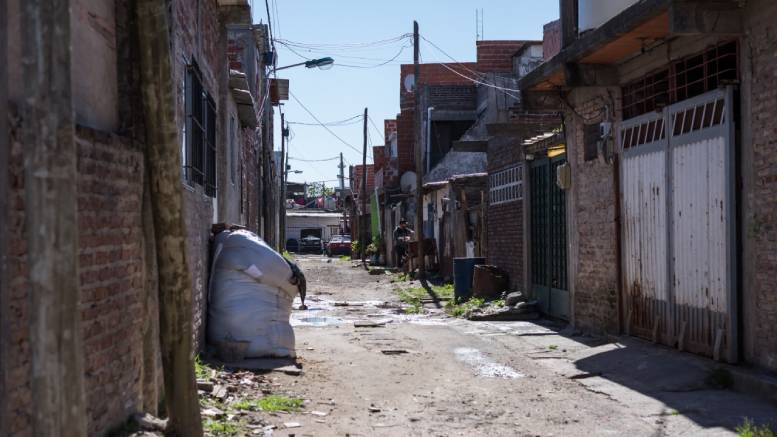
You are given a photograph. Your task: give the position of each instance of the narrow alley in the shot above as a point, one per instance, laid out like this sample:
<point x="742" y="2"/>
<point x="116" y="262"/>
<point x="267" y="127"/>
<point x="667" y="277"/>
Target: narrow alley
<point x="433" y="375"/>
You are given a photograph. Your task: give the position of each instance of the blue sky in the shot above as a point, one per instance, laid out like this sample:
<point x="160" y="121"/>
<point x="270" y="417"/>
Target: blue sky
<point x="342" y="29"/>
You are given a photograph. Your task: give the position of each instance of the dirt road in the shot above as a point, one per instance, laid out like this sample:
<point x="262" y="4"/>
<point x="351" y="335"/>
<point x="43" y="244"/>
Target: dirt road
<point x="431" y="375"/>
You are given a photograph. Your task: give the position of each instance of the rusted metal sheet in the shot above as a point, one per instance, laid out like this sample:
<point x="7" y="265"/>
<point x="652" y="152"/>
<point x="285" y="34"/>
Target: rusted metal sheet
<point x="678" y="226"/>
<point x="644" y="218"/>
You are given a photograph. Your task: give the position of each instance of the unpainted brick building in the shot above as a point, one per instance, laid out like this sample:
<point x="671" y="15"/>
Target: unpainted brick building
<point x="695" y="116"/>
<point x="116" y="256"/>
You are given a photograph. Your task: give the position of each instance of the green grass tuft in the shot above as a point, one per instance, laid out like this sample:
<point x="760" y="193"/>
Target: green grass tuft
<point x="201" y="369"/>
<point x="345" y="258"/>
<point x="287" y="255"/>
<point x="750" y="429"/>
<point x="458" y="310"/>
<point x="279" y="403"/>
<point x="221" y="427"/>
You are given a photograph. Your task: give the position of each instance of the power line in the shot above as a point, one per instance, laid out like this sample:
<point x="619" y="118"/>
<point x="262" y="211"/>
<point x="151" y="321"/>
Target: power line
<point x="380" y="134"/>
<point x="347" y="122"/>
<point x="314" y="160"/>
<point x="323" y="125"/>
<point x="506" y="90"/>
<point x="355" y="46"/>
<point x="382" y="62"/>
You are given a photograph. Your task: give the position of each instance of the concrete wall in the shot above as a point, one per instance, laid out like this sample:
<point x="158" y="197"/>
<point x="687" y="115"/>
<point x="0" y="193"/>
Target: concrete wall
<point x="94" y="63"/>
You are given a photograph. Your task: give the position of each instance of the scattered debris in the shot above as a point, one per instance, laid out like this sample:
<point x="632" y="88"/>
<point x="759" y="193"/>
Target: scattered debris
<point x="292" y="424"/>
<point x="220" y="391"/>
<point x="319" y="413"/>
<point x="205" y="386"/>
<point x="368" y="324"/>
<point x="373" y="409"/>
<point x="514" y="298"/>
<point x="289" y="370"/>
<point x="147" y="422"/>
<point x="394" y="351"/>
<point x="211" y="412"/>
<point x="585" y="375"/>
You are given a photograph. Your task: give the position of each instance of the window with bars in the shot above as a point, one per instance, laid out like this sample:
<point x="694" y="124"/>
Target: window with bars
<point x="688" y="77"/>
<point x="506" y="185"/>
<point x="199" y="154"/>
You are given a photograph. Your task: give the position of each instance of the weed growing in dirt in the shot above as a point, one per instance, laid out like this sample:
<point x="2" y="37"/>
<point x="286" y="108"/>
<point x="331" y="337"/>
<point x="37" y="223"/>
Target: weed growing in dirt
<point x="279" y="403"/>
<point x="221" y="427"/>
<point x="750" y="429"/>
<point x="458" y="310"/>
<point x="287" y="255"/>
<point x="414" y="296"/>
<point x="553" y="347"/>
<point x="345" y="258"/>
<point x="201" y="369"/>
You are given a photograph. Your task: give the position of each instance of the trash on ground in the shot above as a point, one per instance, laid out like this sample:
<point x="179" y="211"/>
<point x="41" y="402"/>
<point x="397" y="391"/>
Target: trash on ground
<point x="251" y="294"/>
<point x="394" y="351"/>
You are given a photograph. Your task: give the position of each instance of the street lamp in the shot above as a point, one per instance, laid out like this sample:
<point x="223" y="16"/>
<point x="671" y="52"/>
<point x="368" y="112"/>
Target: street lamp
<point x="322" y="63"/>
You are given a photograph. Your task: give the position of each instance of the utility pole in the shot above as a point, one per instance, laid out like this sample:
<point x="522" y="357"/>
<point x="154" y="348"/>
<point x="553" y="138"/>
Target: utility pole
<point x="419" y="156"/>
<point x="282" y="196"/>
<point x="363" y="196"/>
<point x="342" y="174"/>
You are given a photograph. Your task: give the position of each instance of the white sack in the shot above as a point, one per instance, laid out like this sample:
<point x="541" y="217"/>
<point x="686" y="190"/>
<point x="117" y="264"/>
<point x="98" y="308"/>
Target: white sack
<point x="250" y="295"/>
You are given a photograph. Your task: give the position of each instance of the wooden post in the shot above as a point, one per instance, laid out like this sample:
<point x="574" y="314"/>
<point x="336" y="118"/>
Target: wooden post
<point x="419" y="155"/>
<point x="363" y="196"/>
<point x="48" y="134"/>
<point x="163" y="160"/>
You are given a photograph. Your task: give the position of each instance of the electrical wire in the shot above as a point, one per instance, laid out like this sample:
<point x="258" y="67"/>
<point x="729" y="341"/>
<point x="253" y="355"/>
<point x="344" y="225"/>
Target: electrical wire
<point x="356" y="46"/>
<point x="313" y="160"/>
<point x="382" y="62"/>
<point x="507" y="91"/>
<point x="380" y="134"/>
<point x="325" y="126"/>
<point x="347" y="122"/>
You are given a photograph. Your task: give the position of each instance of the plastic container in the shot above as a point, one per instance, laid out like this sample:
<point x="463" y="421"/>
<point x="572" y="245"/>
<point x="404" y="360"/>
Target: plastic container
<point x="463" y="269"/>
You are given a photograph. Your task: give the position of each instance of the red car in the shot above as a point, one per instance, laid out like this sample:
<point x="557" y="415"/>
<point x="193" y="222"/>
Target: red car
<point x="339" y="245"/>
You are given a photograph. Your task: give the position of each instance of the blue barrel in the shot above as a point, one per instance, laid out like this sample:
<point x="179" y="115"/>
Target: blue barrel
<point x="463" y="271"/>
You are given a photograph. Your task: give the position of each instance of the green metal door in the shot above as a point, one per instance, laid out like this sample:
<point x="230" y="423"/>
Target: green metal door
<point x="548" y="238"/>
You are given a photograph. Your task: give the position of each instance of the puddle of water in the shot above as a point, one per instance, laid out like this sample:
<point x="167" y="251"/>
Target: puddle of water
<point x="315" y="321"/>
<point x="483" y="366"/>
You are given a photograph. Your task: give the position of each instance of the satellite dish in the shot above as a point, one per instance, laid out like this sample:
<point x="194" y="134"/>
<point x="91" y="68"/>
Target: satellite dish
<point x="407" y="182"/>
<point x="410" y="83"/>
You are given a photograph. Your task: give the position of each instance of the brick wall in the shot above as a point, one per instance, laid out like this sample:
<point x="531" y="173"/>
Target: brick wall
<point x="197" y="37"/>
<point x="405" y="141"/>
<point x="505" y="227"/>
<point x="358" y="176"/>
<point x="759" y="172"/>
<point x="496" y="56"/>
<point x="111" y="282"/>
<point x="249" y="172"/>
<point x="551" y="39"/>
<point x="593" y="229"/>
<point x="111" y="271"/>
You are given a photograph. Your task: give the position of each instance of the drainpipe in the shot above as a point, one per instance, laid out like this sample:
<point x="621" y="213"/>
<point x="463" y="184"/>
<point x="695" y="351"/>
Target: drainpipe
<point x="428" y="136"/>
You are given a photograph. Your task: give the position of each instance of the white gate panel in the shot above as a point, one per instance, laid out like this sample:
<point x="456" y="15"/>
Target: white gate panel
<point x="644" y="219"/>
<point x="678" y="216"/>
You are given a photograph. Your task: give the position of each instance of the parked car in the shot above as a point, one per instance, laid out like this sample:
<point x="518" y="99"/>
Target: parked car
<point x="339" y="245"/>
<point x="292" y="245"/>
<point x="310" y="244"/>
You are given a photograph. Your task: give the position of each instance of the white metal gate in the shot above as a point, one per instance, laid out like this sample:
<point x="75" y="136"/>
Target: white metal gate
<point x="678" y="233"/>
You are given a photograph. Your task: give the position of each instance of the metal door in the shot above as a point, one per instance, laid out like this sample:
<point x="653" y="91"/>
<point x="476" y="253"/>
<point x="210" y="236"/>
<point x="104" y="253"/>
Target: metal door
<point x="679" y="225"/>
<point x="548" y="238"/>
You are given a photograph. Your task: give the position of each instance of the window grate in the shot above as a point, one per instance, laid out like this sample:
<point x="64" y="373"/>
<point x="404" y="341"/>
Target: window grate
<point x="688" y="77"/>
<point x="506" y="186"/>
<point x="199" y="151"/>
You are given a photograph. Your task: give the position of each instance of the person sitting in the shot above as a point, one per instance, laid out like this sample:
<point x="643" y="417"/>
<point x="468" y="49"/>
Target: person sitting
<point x="402" y="236"/>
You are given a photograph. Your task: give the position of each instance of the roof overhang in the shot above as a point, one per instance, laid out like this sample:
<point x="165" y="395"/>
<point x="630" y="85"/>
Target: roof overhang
<point x="627" y="33"/>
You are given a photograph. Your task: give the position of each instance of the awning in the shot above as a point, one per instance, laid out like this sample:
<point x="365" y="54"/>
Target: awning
<point x="626" y="34"/>
<point x="246" y="109"/>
